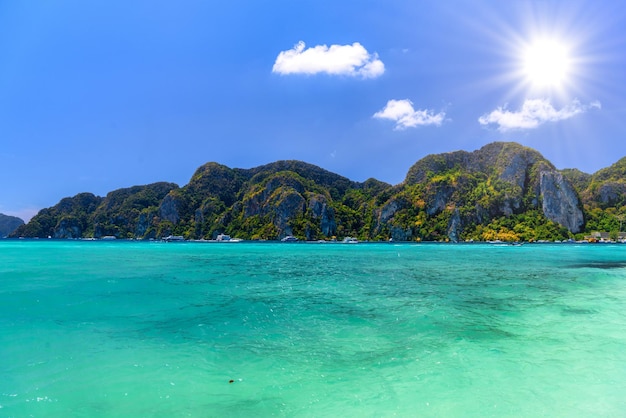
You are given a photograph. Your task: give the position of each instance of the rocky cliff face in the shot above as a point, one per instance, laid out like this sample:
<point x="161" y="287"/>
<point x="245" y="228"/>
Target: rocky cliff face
<point x="321" y="210"/>
<point x="560" y="201"/>
<point x="446" y="196"/>
<point x="285" y="197"/>
<point x="288" y="205"/>
<point x="68" y="228"/>
<point x="500" y="179"/>
<point x="385" y="217"/>
<point x="604" y="189"/>
<point x="125" y="213"/>
<point x="131" y="212"/>
<point x="169" y="210"/>
<point x="67" y="219"/>
<point x="611" y="194"/>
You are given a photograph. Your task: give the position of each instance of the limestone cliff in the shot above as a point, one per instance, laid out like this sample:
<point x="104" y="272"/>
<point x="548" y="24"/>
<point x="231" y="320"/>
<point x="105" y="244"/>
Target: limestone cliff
<point x="500" y="179"/>
<point x="607" y="187"/>
<point x="559" y="200"/>
<point x="285" y="198"/>
<point x="501" y="191"/>
<point x="125" y="213"/>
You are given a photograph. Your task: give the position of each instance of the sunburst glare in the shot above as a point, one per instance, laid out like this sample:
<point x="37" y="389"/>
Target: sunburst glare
<point x="546" y="63"/>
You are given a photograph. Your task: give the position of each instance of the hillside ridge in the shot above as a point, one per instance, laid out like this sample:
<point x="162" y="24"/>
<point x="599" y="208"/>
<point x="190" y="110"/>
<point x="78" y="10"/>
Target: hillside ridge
<point x="501" y="191"/>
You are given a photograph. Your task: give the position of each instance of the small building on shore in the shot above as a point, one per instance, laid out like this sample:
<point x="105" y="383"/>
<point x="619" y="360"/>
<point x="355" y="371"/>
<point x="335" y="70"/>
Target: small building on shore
<point x="600" y="236"/>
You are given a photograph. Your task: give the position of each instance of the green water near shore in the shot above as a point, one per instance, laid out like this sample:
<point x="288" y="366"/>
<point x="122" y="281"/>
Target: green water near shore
<point x="153" y="329"/>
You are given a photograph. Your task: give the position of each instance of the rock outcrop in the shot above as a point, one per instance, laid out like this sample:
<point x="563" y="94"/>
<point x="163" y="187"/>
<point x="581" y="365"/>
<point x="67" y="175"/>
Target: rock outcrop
<point x="69" y="227"/>
<point x="285" y="197"/>
<point x="559" y="201"/>
<point x="500" y="179"/>
<point x="604" y="189"/>
<point x="169" y="210"/>
<point x="322" y="211"/>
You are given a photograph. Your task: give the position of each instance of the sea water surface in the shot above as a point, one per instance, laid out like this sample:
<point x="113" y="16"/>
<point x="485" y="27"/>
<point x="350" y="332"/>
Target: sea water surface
<point x="129" y="329"/>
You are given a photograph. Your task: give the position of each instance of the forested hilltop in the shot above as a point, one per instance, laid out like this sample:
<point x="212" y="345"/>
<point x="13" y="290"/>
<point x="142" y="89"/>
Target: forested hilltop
<point x="502" y="191"/>
<point x="8" y="224"/>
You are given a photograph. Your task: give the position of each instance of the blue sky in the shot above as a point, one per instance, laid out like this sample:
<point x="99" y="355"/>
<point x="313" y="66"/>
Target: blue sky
<point x="101" y="95"/>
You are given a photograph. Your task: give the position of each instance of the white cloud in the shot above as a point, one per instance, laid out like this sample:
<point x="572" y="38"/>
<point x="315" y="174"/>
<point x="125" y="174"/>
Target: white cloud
<point x="352" y="60"/>
<point x="533" y="113"/>
<point x="403" y="114"/>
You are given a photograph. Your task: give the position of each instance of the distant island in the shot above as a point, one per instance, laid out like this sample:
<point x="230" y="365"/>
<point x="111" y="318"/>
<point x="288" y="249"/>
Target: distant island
<point x="503" y="191"/>
<point x="8" y="224"/>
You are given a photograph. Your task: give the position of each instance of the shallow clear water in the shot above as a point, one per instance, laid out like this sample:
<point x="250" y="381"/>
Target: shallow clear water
<point x="110" y="329"/>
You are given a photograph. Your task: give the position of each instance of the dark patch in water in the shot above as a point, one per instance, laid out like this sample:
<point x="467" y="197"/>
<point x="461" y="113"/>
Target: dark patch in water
<point x="602" y="265"/>
<point x="478" y="333"/>
<point x="578" y="311"/>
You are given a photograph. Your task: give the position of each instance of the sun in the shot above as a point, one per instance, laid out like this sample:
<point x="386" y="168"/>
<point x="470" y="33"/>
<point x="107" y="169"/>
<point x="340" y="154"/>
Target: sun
<point x="546" y="63"/>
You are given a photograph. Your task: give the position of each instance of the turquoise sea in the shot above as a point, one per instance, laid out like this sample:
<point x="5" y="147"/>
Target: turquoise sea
<point x="137" y="329"/>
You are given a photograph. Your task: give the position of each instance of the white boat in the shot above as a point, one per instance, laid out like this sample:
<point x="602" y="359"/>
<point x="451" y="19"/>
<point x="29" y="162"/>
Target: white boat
<point x="227" y="238"/>
<point x="289" y="238"/>
<point x="350" y="240"/>
<point x="173" y="238"/>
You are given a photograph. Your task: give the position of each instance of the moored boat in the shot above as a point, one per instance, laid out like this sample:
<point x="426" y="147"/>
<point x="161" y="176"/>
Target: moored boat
<point x="222" y="237"/>
<point x="173" y="238"/>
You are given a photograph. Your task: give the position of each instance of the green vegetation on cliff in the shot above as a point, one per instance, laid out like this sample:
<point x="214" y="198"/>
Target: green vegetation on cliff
<point x="503" y="191"/>
<point x="124" y="213"/>
<point x="8" y="224"/>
